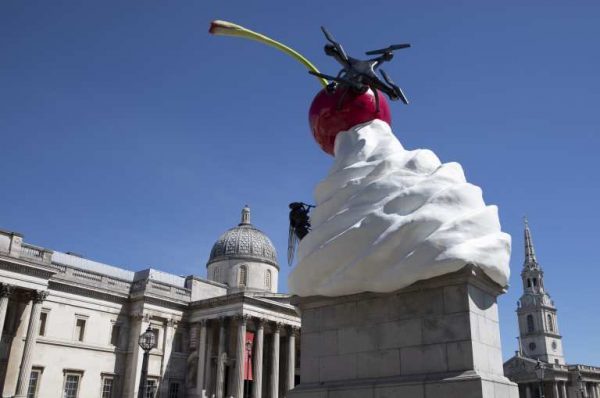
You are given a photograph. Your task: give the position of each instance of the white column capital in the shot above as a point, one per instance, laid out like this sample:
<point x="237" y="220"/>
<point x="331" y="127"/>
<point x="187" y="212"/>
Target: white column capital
<point x="38" y="296"/>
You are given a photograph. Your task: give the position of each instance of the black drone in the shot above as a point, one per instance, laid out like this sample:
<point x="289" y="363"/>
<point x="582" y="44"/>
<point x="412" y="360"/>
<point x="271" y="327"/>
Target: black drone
<point x="359" y="75"/>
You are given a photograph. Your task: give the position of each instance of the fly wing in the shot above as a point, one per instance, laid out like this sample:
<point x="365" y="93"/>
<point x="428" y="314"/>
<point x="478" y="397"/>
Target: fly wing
<point x="292" y="243"/>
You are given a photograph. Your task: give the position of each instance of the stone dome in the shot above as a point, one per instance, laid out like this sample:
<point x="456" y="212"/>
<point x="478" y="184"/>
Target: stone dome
<point x="244" y="242"/>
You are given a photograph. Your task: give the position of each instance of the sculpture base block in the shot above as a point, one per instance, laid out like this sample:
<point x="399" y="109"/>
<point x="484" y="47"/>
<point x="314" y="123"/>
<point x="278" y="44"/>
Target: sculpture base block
<point x="435" y="338"/>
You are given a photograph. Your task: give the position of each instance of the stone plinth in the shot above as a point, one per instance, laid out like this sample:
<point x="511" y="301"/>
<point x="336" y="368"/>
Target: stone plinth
<point x="436" y="338"/>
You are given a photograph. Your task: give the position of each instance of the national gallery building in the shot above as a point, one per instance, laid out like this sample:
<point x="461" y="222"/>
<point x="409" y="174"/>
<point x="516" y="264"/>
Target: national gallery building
<point x="70" y="326"/>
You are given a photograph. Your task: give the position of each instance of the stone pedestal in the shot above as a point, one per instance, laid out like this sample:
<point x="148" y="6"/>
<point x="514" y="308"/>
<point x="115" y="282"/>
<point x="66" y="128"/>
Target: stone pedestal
<point x="435" y="338"/>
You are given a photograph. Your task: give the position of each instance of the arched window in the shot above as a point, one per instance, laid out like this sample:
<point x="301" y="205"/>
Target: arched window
<point x="243" y="275"/>
<point x="268" y="279"/>
<point x="530" y="326"/>
<point x="216" y="274"/>
<point x="550" y="323"/>
<point x="534" y="281"/>
<point x="528" y="282"/>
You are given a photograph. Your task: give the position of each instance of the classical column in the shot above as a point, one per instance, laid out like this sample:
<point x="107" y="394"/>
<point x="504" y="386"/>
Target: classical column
<point x="221" y="359"/>
<point x="5" y="291"/>
<point x="564" y="389"/>
<point x="239" y="356"/>
<point x="527" y="390"/>
<point x="138" y="323"/>
<point x="37" y="297"/>
<point x="169" y="334"/>
<point x="208" y="378"/>
<point x="291" y="365"/>
<point x="258" y="358"/>
<point x="275" y="361"/>
<point x="555" y="389"/>
<point x="201" y="359"/>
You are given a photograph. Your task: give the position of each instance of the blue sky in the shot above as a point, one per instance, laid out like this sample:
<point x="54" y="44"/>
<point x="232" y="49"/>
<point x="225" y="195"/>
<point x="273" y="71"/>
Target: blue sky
<point x="131" y="136"/>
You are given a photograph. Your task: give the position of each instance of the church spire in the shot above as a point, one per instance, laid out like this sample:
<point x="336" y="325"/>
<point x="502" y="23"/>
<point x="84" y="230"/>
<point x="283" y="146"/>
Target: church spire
<point x="530" y="259"/>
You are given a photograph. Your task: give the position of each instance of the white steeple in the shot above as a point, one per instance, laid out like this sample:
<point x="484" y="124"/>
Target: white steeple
<point x="538" y="326"/>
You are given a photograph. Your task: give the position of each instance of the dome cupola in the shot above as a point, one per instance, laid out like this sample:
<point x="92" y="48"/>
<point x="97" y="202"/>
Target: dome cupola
<point x="244" y="258"/>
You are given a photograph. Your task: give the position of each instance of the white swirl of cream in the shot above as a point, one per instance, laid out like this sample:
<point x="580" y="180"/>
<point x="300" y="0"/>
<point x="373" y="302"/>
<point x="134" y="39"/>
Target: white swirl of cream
<point x="387" y="217"/>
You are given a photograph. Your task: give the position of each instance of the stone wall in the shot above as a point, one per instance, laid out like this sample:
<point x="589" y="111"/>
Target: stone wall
<point x="436" y="338"/>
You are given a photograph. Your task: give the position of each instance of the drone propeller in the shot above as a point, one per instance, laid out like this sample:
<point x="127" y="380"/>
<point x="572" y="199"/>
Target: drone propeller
<point x="337" y="45"/>
<point x="353" y="84"/>
<point x="397" y="90"/>
<point x="389" y="49"/>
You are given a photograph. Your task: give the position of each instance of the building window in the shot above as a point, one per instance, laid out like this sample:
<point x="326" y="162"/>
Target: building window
<point x="34" y="382"/>
<point x="528" y="282"/>
<point x="550" y="323"/>
<point x="43" y="320"/>
<point x="71" y="385"/>
<point x="534" y="281"/>
<point x="174" y="389"/>
<point x="151" y="387"/>
<point x="530" y="326"/>
<point x="268" y="279"/>
<point x="108" y="383"/>
<point x="217" y="274"/>
<point x="243" y="275"/>
<point x="115" y="332"/>
<point x="80" y="329"/>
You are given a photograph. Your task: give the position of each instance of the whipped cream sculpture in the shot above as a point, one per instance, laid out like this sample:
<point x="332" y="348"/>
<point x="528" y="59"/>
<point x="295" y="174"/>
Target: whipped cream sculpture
<point x="385" y="217"/>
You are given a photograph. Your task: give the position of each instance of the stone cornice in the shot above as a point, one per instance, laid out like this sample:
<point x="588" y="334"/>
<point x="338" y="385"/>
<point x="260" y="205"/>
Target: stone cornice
<point x="88" y="291"/>
<point x="241" y="298"/>
<point x="179" y="305"/>
<point x="468" y="274"/>
<point x="25" y="267"/>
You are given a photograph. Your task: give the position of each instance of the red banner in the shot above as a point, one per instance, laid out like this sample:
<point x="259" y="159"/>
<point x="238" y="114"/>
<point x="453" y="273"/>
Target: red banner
<point x="249" y="346"/>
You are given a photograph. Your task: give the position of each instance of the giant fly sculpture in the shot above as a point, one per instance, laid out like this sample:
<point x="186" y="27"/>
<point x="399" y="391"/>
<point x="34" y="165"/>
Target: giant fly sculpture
<point x="299" y="226"/>
<point x="359" y="75"/>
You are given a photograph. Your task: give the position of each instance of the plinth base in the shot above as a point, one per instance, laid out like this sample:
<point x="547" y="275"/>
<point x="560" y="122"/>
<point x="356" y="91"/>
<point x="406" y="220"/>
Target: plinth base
<point x="436" y="338"/>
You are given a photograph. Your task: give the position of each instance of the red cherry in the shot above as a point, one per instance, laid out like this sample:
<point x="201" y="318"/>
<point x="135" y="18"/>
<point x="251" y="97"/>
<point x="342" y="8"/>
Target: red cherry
<point x="327" y="117"/>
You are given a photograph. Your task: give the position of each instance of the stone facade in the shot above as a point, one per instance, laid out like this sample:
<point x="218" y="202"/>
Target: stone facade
<point x="70" y="328"/>
<point x="436" y="338"/>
